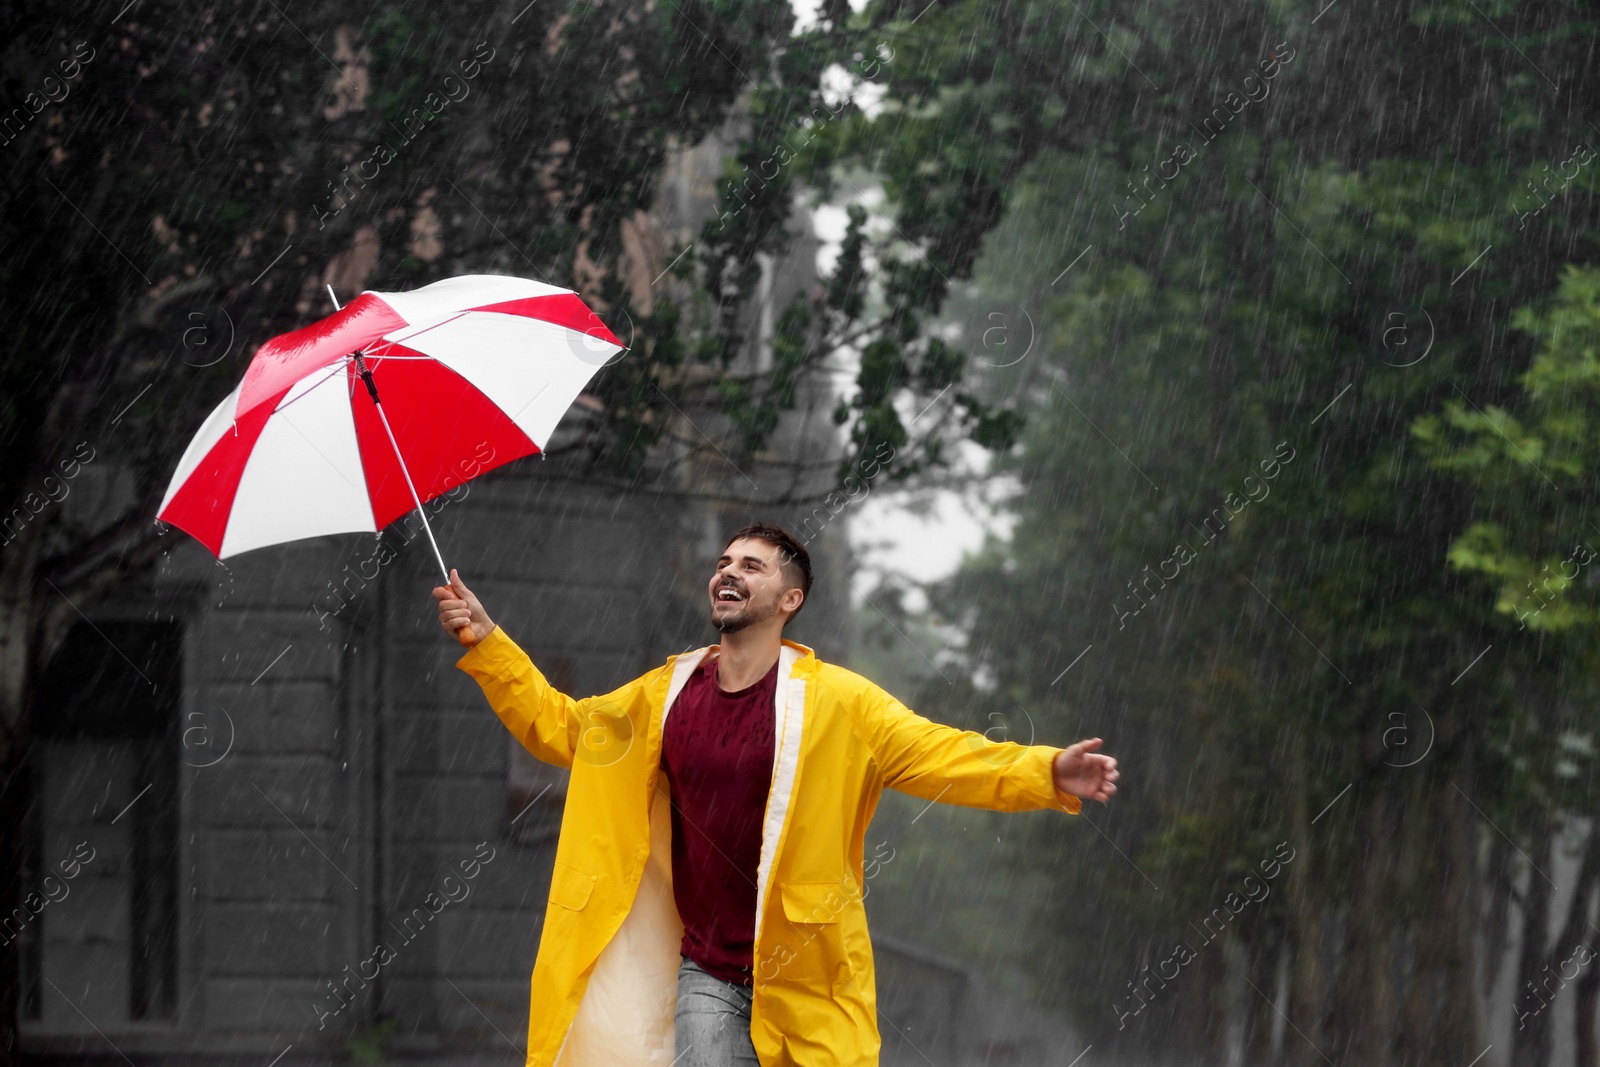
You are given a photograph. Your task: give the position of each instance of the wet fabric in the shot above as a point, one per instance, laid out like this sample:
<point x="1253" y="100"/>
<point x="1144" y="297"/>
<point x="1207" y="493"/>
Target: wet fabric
<point x="717" y="755"/>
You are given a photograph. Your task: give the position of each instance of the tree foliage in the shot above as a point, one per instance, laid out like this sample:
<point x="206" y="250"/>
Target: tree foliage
<point x="1306" y="411"/>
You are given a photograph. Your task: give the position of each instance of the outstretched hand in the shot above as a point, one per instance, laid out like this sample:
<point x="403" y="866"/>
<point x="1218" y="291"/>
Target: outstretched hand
<point x="460" y="612"/>
<point x="1085" y="774"/>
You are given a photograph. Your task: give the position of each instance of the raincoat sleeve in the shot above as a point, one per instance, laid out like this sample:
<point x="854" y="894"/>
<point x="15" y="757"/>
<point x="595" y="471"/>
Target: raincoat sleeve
<point x="937" y="762"/>
<point x="544" y="719"/>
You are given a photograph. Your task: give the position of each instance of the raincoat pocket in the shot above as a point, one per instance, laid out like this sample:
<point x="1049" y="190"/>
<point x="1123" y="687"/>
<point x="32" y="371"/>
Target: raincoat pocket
<point x="811" y="952"/>
<point x="814" y="902"/>
<point x="570" y="887"/>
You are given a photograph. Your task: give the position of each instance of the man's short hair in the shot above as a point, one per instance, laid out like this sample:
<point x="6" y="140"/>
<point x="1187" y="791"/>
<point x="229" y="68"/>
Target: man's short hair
<point x="792" y="555"/>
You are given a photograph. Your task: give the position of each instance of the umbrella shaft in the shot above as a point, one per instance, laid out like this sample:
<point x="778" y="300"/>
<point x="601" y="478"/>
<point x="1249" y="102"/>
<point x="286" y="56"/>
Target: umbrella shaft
<point x="401" y="459"/>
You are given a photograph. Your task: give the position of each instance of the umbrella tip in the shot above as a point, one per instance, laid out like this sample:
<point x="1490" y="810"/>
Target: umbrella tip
<point x="333" y="297"/>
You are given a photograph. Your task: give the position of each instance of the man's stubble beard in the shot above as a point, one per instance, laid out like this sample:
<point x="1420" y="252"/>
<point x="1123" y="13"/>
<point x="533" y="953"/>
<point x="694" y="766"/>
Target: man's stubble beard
<point x="748" y="616"/>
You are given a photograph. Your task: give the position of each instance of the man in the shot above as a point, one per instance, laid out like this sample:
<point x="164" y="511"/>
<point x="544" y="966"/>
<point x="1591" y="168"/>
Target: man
<point x="706" y="902"/>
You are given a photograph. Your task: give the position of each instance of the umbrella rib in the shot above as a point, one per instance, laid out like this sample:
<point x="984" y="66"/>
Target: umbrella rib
<point x="391" y="342"/>
<point x="279" y="410"/>
<point x="524" y="407"/>
<point x="304" y="393"/>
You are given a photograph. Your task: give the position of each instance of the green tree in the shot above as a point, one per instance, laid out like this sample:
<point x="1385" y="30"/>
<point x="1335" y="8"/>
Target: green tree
<point x="1344" y="173"/>
<point x="1531" y="548"/>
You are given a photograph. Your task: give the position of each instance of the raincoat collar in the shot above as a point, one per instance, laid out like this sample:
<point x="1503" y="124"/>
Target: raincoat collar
<point x="683" y="666"/>
<point x="788" y="726"/>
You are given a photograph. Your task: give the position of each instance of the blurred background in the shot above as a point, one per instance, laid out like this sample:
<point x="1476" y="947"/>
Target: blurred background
<point x="1286" y="490"/>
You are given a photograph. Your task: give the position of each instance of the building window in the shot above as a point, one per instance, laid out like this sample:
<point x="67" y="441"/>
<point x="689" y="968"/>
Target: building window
<point x="103" y="827"/>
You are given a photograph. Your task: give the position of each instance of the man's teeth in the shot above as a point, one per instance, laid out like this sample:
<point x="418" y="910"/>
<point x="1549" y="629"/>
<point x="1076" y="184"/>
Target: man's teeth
<point x="728" y="594"/>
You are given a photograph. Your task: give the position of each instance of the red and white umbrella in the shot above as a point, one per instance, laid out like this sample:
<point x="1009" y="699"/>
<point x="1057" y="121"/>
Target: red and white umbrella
<point x="349" y="423"/>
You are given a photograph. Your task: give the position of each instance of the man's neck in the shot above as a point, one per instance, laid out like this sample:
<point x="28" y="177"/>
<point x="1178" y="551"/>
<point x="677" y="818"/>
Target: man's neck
<point x="746" y="657"/>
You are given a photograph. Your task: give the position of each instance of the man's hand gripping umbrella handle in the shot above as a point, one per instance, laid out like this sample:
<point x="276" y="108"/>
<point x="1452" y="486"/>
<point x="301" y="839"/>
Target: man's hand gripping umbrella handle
<point x="461" y="613"/>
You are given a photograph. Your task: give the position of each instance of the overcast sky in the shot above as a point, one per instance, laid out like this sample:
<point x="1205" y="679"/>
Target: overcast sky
<point x="923" y="538"/>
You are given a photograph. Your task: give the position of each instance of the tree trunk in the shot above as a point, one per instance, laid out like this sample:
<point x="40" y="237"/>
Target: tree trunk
<point x="1196" y="1027"/>
<point x="1575" y="948"/>
<point x="1444" y="1023"/>
<point x="1531" y="1014"/>
<point x="1261" y="1014"/>
<point x="1307" y="902"/>
<point x="1498" y="922"/>
<point x="1362" y="1026"/>
<point x="1588" y="1015"/>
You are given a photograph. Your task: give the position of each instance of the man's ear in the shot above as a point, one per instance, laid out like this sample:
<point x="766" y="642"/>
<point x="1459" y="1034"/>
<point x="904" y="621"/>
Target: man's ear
<point x="792" y="598"/>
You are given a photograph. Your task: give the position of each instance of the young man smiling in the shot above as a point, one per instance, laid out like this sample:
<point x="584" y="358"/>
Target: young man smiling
<point x="706" y="902"/>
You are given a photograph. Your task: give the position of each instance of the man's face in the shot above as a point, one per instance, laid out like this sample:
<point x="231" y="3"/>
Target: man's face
<point x="747" y="586"/>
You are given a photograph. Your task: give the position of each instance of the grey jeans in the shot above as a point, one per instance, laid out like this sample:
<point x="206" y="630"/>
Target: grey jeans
<point x="713" y="1021"/>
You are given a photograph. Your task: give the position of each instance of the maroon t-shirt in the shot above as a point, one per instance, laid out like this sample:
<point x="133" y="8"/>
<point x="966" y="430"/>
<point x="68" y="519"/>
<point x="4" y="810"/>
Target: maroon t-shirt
<point x="717" y="755"/>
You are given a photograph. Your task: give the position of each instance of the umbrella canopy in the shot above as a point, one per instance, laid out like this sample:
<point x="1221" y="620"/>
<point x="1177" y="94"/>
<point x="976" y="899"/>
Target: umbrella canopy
<point x="472" y="372"/>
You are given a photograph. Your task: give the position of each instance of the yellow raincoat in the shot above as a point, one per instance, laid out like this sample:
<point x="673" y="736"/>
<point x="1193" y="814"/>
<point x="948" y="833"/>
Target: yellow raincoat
<point x="605" y="978"/>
